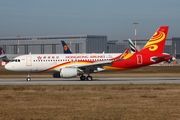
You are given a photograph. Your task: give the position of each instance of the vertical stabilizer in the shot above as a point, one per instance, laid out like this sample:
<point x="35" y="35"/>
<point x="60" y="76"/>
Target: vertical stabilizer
<point x="66" y="48"/>
<point x="132" y="46"/>
<point x="157" y="41"/>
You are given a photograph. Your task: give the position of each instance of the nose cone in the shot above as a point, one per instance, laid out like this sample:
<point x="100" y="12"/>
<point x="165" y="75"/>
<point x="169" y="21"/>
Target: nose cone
<point x="9" y="67"/>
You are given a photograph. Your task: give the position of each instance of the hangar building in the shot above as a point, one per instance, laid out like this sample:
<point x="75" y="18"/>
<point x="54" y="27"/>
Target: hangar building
<point x="52" y="44"/>
<point x="176" y="47"/>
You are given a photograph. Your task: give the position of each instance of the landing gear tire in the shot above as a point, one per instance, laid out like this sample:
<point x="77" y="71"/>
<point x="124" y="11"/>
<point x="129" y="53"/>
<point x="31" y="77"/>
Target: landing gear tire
<point x="89" y="78"/>
<point x="82" y="78"/>
<point x="28" y="79"/>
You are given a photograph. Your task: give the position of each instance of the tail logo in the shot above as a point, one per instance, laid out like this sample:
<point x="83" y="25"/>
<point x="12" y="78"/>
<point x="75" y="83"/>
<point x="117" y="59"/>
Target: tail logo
<point x="156" y="38"/>
<point x="65" y="47"/>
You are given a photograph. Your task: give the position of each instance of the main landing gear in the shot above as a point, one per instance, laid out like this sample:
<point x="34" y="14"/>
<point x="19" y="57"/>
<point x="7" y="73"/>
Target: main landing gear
<point x="83" y="78"/>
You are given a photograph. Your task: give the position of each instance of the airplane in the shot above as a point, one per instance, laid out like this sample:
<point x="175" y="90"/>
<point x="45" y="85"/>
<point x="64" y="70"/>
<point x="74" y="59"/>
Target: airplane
<point x="62" y="65"/>
<point x="60" y="60"/>
<point x="72" y="65"/>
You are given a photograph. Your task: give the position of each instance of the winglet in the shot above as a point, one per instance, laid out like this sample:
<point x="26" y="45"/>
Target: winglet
<point x="66" y="48"/>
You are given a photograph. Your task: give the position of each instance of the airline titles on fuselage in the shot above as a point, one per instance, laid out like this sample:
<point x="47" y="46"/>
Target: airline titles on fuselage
<point x="72" y="57"/>
<point x="86" y="56"/>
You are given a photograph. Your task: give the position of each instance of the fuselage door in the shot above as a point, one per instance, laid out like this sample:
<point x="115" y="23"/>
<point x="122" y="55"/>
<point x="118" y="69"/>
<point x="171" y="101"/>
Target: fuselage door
<point x="28" y="61"/>
<point x="139" y="59"/>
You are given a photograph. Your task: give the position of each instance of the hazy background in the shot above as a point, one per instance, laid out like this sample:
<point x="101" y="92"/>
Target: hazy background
<point x="113" y="18"/>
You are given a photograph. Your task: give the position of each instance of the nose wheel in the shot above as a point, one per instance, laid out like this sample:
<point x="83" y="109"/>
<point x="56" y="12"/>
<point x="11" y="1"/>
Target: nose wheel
<point x="28" y="77"/>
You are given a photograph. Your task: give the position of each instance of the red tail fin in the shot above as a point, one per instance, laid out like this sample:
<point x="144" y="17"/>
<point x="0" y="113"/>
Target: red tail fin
<point x="157" y="41"/>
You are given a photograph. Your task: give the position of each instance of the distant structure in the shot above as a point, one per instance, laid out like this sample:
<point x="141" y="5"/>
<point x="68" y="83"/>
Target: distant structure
<point x="135" y="33"/>
<point x="52" y="44"/>
<point x="78" y="44"/>
<point x="114" y="46"/>
<point x="176" y="47"/>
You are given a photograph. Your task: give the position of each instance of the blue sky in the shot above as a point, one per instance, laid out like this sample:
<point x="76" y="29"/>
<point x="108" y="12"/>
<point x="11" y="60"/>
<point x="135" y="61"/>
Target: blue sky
<point x="113" y="18"/>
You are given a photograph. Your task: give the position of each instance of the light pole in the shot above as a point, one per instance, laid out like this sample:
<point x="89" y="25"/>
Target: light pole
<point x="135" y="23"/>
<point x="18" y="45"/>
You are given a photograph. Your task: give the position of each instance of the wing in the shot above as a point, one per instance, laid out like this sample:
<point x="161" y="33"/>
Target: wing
<point x="93" y="67"/>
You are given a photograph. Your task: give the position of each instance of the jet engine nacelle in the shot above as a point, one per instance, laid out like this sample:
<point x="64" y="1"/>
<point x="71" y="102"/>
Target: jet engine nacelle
<point x="67" y="73"/>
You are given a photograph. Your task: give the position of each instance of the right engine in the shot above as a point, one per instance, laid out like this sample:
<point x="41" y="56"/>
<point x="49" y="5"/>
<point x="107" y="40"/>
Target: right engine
<point x="67" y="73"/>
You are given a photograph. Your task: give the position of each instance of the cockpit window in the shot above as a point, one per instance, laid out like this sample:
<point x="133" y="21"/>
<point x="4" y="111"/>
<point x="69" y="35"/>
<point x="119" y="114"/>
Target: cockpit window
<point x="16" y="60"/>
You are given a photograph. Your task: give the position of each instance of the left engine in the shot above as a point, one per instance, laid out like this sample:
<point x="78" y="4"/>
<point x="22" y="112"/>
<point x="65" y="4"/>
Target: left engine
<point x="67" y="73"/>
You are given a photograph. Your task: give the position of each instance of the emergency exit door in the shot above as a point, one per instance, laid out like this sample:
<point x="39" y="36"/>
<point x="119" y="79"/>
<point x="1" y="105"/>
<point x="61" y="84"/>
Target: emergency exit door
<point x="139" y="59"/>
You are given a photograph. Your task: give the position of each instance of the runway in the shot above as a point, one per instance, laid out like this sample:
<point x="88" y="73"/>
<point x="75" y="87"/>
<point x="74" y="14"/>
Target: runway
<point x="73" y="81"/>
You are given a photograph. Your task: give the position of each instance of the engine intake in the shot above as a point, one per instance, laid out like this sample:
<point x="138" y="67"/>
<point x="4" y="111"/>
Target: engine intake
<point x="67" y="73"/>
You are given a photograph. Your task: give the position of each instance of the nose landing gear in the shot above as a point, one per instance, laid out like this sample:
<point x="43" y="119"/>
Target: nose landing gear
<point x="28" y="77"/>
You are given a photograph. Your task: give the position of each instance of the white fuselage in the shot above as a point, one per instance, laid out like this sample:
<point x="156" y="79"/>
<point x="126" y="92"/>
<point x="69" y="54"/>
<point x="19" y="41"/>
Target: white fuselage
<point x="54" y="62"/>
